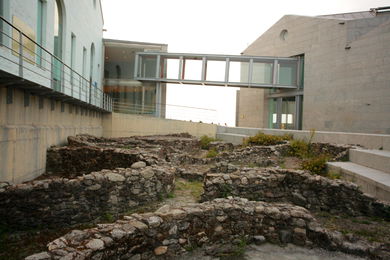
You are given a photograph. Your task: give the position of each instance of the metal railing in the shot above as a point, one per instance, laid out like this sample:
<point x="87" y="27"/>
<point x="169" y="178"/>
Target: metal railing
<point x="36" y="64"/>
<point x="188" y="113"/>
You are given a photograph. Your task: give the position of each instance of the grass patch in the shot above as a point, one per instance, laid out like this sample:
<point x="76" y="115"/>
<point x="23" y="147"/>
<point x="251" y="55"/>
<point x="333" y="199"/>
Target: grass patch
<point x="107" y="217"/>
<point x="195" y="188"/>
<point x="211" y="153"/>
<point x="333" y="175"/>
<point x="205" y="141"/>
<point x="316" y="165"/>
<point x="265" y="139"/>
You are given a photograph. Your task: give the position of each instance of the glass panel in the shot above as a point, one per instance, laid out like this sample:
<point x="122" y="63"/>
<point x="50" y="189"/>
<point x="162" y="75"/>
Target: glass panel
<point x="272" y="117"/>
<point x="238" y="71"/>
<point x="192" y="69"/>
<point x="172" y="68"/>
<point x="287" y="73"/>
<point x="215" y="70"/>
<point x="262" y="72"/>
<point x="288" y="113"/>
<point x="148" y="67"/>
<point x="149" y="99"/>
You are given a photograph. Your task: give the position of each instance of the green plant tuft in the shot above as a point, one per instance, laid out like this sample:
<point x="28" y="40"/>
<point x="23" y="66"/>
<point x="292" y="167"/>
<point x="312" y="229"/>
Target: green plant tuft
<point x="316" y="165"/>
<point x="205" y="142"/>
<point x="108" y="217"/>
<point x="211" y="153"/>
<point x="264" y="139"/>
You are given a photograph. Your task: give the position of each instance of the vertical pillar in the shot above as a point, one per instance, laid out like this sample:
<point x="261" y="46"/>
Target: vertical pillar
<point x="158" y="99"/>
<point x="20" y="54"/>
<point x="227" y="70"/>
<point x="279" y="112"/>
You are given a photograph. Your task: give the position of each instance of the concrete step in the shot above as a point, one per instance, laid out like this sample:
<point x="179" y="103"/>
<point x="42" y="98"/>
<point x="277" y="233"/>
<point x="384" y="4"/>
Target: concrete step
<point x="235" y="139"/>
<point x="371" y="181"/>
<point x="376" y="159"/>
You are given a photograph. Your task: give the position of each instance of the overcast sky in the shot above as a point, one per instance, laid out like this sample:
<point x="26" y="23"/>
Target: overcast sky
<point x="209" y="26"/>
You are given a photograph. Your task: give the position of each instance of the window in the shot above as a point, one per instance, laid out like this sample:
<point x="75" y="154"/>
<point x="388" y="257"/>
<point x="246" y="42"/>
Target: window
<point x="41" y="29"/>
<point x="84" y="61"/>
<point x="72" y="56"/>
<point x="2" y="14"/>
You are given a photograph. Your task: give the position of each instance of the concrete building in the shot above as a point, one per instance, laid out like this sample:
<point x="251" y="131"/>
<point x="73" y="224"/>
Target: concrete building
<point x="51" y="64"/>
<point x="346" y="72"/>
<point x="52" y="85"/>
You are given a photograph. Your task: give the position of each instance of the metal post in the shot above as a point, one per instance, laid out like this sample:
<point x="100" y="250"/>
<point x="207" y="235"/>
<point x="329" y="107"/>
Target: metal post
<point x="62" y="77"/>
<point x="250" y="72"/>
<point x="52" y="72"/>
<point x="158" y="98"/>
<point x="279" y="112"/>
<point x="20" y="54"/>
<point x="136" y="66"/>
<point x="204" y="69"/>
<point x="181" y="61"/>
<point x="298" y="112"/>
<point x="227" y="70"/>
<point x="158" y="60"/>
<point x="275" y="73"/>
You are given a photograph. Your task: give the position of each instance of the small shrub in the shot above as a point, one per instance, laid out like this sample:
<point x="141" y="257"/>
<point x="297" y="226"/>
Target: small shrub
<point x="107" y="217"/>
<point x="334" y="175"/>
<point x="171" y="195"/>
<point x="264" y="139"/>
<point x="316" y="165"/>
<point x="211" y="153"/>
<point x="205" y="142"/>
<point x="299" y="148"/>
<point x="240" y="247"/>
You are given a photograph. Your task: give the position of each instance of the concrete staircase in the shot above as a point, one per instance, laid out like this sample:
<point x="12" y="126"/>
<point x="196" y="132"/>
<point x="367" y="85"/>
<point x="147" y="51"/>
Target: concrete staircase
<point x="370" y="169"/>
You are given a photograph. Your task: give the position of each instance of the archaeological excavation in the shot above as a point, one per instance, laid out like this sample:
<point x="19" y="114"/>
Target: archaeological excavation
<point x="173" y="196"/>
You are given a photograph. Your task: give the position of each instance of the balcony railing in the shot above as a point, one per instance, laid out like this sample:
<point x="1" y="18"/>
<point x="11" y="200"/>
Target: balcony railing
<point x="28" y="60"/>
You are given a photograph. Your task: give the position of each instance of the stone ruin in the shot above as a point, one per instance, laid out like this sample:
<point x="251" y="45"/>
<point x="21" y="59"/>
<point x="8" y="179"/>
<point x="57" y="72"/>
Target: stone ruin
<point x="84" y="181"/>
<point x="172" y="231"/>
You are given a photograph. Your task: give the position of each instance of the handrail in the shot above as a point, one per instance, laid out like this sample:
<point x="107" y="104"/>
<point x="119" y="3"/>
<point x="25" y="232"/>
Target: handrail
<point x="72" y="83"/>
<point x="40" y="46"/>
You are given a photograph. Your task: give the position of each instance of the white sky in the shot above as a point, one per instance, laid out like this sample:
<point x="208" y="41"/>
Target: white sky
<point x="209" y="26"/>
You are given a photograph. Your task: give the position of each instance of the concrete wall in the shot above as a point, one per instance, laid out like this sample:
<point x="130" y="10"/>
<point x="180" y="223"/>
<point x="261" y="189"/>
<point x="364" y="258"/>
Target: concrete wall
<point x="78" y="17"/>
<point x="125" y="125"/>
<point x="371" y="141"/>
<point x="27" y="131"/>
<point x="344" y="89"/>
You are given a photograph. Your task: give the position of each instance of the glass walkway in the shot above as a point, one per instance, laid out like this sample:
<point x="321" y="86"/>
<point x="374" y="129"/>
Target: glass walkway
<point x="218" y="70"/>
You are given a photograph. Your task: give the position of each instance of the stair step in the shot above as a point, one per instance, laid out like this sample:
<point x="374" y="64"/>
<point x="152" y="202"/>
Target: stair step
<point x="376" y="159"/>
<point x="373" y="182"/>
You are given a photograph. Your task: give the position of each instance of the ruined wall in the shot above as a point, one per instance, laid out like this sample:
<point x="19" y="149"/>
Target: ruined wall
<point x="297" y="187"/>
<point x="173" y="230"/>
<point x="60" y="201"/>
<point x="73" y="161"/>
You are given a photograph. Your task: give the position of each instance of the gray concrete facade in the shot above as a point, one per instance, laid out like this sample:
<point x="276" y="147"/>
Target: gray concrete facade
<point x="346" y="72"/>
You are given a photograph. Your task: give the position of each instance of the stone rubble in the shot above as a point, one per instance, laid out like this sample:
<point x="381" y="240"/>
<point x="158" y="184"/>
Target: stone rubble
<point x="172" y="231"/>
<point x="298" y="187"/>
<point x="62" y="201"/>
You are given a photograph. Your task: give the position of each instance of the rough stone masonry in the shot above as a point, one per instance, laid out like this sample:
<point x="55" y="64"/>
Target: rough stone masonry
<point x="61" y="201"/>
<point x="171" y="231"/>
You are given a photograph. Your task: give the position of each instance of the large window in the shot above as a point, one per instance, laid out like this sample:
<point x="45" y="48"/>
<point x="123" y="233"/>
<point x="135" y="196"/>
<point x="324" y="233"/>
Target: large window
<point x="58" y="36"/>
<point x="41" y="29"/>
<point x="2" y="26"/>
